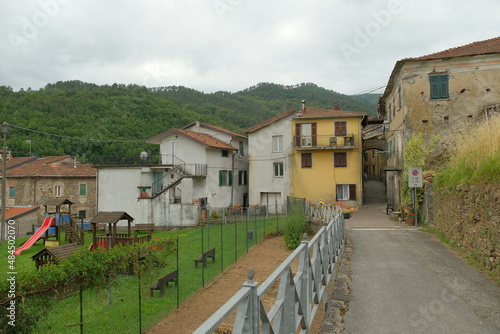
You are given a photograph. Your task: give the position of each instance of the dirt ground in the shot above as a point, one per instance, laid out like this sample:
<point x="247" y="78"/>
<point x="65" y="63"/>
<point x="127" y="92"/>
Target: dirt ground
<point x="264" y="258"/>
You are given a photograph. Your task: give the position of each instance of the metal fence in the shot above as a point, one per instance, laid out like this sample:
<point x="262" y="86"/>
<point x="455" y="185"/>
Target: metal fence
<point x="303" y="279"/>
<point x="127" y="305"/>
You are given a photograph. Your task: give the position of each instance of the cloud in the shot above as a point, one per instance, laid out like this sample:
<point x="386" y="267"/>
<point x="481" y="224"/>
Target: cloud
<point x="210" y="45"/>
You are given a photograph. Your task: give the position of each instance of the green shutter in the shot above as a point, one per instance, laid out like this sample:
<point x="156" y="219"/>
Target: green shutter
<point x="439" y="86"/>
<point x="434" y="82"/>
<point x="221" y="178"/>
<point x="230" y="178"/>
<point x="83" y="189"/>
<point x="443" y="85"/>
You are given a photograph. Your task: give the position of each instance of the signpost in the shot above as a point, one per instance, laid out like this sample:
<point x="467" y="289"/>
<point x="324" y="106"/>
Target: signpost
<point x="414" y="182"/>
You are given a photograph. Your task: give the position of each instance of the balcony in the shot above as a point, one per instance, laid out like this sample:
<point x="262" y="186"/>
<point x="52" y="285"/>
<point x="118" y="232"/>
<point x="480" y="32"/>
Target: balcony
<point x="324" y="142"/>
<point x="171" y="178"/>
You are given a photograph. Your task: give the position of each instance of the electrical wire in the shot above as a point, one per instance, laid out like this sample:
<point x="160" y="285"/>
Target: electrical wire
<point x="74" y="138"/>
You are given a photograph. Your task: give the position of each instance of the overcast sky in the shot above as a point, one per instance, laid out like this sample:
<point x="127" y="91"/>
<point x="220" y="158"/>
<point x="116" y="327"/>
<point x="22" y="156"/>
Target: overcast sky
<point x="349" y="46"/>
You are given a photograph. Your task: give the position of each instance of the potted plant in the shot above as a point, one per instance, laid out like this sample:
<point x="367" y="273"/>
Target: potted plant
<point x="346" y="210"/>
<point x="410" y="215"/>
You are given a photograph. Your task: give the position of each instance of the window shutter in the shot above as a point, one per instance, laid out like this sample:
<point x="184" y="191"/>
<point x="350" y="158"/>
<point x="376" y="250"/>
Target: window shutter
<point x="230" y="178"/>
<point x="443" y="85"/>
<point x="340" y="129"/>
<point x="434" y="82"/>
<point x="297" y="135"/>
<point x="352" y="192"/>
<point x="313" y="134"/>
<point x="221" y="178"/>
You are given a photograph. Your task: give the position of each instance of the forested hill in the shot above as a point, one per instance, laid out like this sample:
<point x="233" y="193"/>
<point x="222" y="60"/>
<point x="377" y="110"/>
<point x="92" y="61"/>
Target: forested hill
<point x="99" y="124"/>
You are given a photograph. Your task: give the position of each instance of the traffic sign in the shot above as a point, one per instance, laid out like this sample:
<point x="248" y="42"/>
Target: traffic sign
<point x="415" y="177"/>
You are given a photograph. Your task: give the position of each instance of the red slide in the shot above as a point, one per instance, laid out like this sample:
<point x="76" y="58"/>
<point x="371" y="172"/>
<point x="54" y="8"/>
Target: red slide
<point x="47" y="222"/>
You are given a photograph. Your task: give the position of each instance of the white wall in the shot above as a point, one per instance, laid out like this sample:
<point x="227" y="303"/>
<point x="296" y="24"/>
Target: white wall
<point x="117" y="190"/>
<point x="262" y="157"/>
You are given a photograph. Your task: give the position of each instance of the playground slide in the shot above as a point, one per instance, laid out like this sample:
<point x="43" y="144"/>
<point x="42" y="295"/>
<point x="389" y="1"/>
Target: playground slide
<point x="47" y="222"/>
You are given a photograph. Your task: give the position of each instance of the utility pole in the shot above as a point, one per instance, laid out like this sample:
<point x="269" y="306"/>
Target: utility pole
<point x="4" y="130"/>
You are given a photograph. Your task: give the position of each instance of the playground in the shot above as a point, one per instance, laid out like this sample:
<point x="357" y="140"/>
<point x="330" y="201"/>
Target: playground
<point x="118" y="308"/>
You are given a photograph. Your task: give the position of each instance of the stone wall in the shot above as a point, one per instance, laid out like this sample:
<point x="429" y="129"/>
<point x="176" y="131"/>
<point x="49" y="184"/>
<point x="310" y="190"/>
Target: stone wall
<point x="470" y="219"/>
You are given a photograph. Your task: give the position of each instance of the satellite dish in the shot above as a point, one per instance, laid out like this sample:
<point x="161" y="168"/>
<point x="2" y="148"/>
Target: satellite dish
<point x="143" y="155"/>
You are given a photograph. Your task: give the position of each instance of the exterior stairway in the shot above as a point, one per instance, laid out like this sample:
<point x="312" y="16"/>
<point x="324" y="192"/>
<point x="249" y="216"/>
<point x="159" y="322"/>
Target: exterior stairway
<point x="74" y="233"/>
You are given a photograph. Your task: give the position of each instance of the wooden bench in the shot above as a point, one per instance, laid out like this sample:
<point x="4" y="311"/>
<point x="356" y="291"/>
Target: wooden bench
<point x="144" y="228"/>
<point x="162" y="282"/>
<point x="203" y="258"/>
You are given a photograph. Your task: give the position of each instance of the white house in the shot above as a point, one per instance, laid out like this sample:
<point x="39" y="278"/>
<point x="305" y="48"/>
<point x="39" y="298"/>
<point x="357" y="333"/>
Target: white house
<point x="208" y="162"/>
<point x="269" y="155"/>
<point x="200" y="164"/>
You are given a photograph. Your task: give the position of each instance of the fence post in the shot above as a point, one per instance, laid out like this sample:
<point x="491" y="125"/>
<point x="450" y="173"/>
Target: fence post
<point x="81" y="309"/>
<point x="253" y="313"/>
<point x="202" y="259"/>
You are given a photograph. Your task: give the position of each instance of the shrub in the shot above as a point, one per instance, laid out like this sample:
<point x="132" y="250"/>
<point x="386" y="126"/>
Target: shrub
<point x="296" y="226"/>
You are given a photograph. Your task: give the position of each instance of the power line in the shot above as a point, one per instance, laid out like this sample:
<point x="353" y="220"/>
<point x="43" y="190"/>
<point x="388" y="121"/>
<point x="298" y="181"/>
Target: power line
<point x="74" y="138"/>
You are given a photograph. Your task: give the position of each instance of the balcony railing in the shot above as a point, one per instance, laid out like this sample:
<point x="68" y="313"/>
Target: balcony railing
<point x="323" y="142"/>
<point x="178" y="172"/>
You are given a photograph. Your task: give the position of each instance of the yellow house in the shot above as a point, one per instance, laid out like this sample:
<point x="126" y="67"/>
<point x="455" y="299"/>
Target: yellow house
<point x="327" y="155"/>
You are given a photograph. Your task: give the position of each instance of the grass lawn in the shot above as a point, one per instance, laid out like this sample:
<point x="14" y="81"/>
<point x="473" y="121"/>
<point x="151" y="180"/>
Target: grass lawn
<point x="117" y="309"/>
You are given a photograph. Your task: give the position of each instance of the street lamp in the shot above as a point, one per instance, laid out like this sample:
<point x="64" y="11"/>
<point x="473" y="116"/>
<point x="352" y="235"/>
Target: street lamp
<point x="4" y="130"/>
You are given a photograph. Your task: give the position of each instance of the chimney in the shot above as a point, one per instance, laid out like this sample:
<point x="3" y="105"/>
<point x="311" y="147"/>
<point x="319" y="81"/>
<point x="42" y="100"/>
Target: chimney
<point x="302" y="109"/>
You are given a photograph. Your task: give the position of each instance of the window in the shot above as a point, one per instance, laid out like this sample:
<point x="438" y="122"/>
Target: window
<point x="340" y="159"/>
<point x="83" y="189"/>
<point x="58" y="191"/>
<point x="400" y="98"/>
<point x="278" y="169"/>
<point x="242" y="177"/>
<point x="225" y="178"/>
<point x="277" y="143"/>
<point x="242" y="149"/>
<point x="305" y="134"/>
<point x="82" y="213"/>
<point x="439" y="86"/>
<point x="225" y="153"/>
<point x="340" y="129"/>
<point x="346" y="192"/>
<point x="306" y="160"/>
<point x="12" y="192"/>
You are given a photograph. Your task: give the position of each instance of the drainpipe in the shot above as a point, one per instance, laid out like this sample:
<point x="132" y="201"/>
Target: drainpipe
<point x="232" y="173"/>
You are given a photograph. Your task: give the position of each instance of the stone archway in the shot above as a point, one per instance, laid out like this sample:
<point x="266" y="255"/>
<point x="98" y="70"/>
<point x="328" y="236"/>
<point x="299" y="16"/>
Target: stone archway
<point x="373" y="159"/>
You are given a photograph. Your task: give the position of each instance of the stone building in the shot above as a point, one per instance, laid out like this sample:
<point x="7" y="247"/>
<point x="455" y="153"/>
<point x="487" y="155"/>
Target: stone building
<point x="435" y="95"/>
<point x="32" y="181"/>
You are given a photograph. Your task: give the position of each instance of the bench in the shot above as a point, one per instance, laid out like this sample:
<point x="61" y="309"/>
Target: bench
<point x="203" y="258"/>
<point x="162" y="282"/>
<point x="144" y="228"/>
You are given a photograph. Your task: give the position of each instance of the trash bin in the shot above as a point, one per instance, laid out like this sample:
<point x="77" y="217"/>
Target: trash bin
<point x="250" y="234"/>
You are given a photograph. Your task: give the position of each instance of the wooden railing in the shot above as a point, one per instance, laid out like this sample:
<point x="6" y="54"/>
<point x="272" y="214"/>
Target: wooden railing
<point x="120" y="239"/>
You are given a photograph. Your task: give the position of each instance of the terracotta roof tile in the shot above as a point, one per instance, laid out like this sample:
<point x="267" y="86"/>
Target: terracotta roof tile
<point x="473" y="49"/>
<point x="209" y="126"/>
<point x="15" y="211"/>
<point x="52" y="166"/>
<point x="206" y="140"/>
<point x="325" y="113"/>
<point x="156" y="139"/>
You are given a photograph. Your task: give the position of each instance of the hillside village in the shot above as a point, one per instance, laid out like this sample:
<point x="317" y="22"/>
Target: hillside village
<point x="321" y="155"/>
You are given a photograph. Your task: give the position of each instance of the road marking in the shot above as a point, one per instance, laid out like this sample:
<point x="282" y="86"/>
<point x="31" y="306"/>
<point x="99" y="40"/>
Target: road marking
<point x="383" y="228"/>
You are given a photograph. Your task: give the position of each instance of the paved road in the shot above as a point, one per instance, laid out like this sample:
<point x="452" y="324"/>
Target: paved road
<point x="396" y="279"/>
